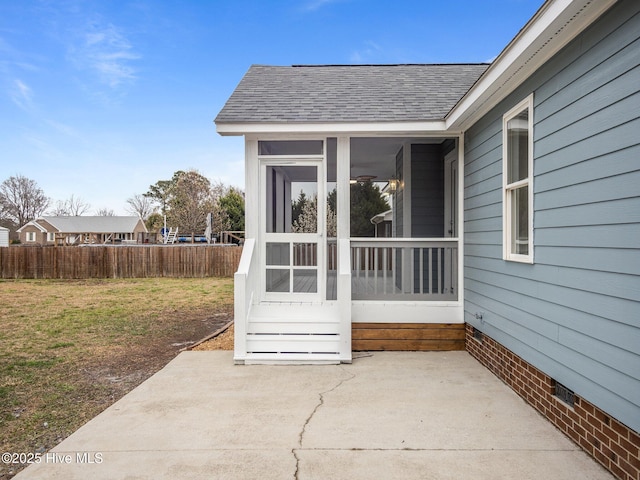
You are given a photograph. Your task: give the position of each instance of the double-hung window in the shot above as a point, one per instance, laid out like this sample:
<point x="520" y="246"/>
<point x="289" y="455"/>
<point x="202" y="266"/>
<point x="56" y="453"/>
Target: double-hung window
<point x="517" y="192"/>
<point x="31" y="236"/>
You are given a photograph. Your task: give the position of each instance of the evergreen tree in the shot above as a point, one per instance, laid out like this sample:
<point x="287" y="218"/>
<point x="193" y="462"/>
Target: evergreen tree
<point x="297" y="206"/>
<point x="366" y="202"/>
<point x="233" y="204"/>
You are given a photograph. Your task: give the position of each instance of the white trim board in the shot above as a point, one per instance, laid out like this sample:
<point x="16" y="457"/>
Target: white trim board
<point x="549" y="30"/>
<point x="407" y="312"/>
<point x="326" y="129"/>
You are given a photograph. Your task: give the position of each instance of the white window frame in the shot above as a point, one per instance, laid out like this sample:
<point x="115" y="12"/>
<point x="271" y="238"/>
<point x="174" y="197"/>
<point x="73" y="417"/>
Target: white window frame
<point x="507" y="188"/>
<point x="31" y="237"/>
<point x="51" y="236"/>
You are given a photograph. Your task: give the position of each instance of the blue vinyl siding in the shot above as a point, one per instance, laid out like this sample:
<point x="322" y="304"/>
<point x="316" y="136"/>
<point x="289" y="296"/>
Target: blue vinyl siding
<point x="574" y="313"/>
<point x="427" y="194"/>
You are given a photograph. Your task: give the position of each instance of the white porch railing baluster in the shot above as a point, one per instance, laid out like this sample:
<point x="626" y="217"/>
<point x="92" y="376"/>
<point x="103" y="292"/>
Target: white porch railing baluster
<point x="421" y="270"/>
<point x="440" y="276"/>
<point x="430" y="271"/>
<point x="402" y="276"/>
<point x="411" y="253"/>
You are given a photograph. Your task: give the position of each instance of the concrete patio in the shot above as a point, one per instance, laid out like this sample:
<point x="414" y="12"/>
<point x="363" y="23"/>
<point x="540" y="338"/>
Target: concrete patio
<point x="388" y="415"/>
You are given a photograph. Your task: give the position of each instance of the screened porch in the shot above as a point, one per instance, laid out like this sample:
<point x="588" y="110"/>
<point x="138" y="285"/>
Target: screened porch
<point x="402" y="222"/>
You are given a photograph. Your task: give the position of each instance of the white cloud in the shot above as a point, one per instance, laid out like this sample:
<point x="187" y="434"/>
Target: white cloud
<point x="10" y="57"/>
<point x="367" y="54"/>
<point x="313" y="5"/>
<point x="62" y="128"/>
<point x="22" y="95"/>
<point x="105" y="50"/>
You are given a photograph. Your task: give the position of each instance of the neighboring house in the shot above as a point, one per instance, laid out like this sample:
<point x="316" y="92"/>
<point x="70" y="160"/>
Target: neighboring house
<point x="383" y="224"/>
<point x="515" y="221"/>
<point x="4" y="237"/>
<point x="77" y="230"/>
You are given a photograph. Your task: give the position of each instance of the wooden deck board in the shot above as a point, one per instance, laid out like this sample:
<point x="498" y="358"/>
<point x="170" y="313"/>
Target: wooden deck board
<point x="407" y="336"/>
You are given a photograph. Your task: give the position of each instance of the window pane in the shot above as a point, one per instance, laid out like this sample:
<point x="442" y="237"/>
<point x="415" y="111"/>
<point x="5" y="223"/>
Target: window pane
<point x="290" y="147"/>
<point x="305" y="281"/>
<point x="305" y="254"/>
<point x="518" y="147"/>
<point x="278" y="254"/>
<point x="520" y="221"/>
<point x="277" y="280"/>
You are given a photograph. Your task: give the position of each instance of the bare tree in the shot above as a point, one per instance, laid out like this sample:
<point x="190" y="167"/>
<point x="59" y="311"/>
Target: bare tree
<point x="71" y="207"/>
<point x="60" y="210"/>
<point x="21" y="200"/>
<point x="140" y="205"/>
<point x="105" y="212"/>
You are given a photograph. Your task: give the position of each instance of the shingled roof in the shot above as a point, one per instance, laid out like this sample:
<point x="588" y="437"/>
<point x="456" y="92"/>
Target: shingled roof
<point x="93" y="224"/>
<point x="348" y="93"/>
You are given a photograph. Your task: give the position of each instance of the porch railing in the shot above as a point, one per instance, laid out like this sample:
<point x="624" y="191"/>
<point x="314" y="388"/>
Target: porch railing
<point x="404" y="269"/>
<point x="244" y="282"/>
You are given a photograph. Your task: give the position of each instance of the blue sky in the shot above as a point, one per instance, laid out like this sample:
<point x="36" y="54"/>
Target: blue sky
<point x="101" y="98"/>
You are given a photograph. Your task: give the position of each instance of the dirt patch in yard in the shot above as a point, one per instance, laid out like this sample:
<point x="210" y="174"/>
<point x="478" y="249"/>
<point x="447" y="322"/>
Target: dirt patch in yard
<point x="70" y="349"/>
<point x="222" y="341"/>
<point x="107" y="375"/>
<point x="124" y="367"/>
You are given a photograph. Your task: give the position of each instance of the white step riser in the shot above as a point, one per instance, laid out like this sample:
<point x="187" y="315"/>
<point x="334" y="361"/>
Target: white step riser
<point x="289" y="333"/>
<point x="299" y="318"/>
<point x="293" y="327"/>
<point x="298" y="344"/>
<point x="307" y="312"/>
<point x="291" y="359"/>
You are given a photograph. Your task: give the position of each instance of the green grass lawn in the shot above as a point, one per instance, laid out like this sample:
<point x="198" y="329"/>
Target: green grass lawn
<point x="68" y="349"/>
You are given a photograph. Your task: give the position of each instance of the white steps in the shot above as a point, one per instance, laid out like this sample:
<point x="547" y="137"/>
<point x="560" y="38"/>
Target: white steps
<point x="296" y="333"/>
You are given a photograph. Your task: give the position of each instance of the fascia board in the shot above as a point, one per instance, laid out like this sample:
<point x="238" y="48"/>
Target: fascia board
<point x="551" y="28"/>
<point x="435" y="126"/>
<point x="33" y="223"/>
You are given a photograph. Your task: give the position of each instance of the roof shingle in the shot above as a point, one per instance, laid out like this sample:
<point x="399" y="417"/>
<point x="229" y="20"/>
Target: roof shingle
<point x="348" y="93"/>
<point x="92" y="224"/>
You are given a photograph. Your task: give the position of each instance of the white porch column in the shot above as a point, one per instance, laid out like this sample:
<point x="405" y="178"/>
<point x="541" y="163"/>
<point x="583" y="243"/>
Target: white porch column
<point x="252" y="188"/>
<point x="460" y="226"/>
<point x="343" y="201"/>
<point x="343" y="175"/>
<point x="407" y="261"/>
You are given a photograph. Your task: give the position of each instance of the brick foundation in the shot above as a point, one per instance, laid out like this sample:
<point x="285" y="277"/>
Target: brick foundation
<point x="614" y="445"/>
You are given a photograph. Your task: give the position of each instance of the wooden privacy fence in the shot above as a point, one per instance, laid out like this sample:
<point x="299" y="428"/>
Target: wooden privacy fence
<point x="135" y="261"/>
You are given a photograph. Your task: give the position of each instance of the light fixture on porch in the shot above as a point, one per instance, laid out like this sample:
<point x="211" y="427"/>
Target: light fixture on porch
<point x="392" y="184"/>
<point x="362" y="179"/>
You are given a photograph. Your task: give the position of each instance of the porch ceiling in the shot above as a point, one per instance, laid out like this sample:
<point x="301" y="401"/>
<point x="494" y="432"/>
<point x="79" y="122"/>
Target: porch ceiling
<point x="376" y="155"/>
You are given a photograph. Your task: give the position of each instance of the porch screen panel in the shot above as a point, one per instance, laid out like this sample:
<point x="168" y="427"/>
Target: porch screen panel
<point x="291" y="214"/>
<point x="305" y="254"/>
<point x="332" y="219"/>
<point x="278" y="280"/>
<point x="305" y="281"/>
<point x="278" y="253"/>
<point x="290" y="147"/>
<point x="291" y="196"/>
